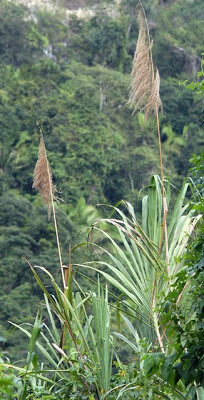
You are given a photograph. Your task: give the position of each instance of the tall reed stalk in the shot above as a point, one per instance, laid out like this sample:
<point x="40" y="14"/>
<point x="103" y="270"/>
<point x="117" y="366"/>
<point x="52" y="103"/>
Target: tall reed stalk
<point x="144" y="95"/>
<point x="43" y="183"/>
<point x="67" y="293"/>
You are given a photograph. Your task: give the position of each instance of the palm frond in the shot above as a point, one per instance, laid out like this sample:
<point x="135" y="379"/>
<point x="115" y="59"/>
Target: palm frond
<point x="134" y="266"/>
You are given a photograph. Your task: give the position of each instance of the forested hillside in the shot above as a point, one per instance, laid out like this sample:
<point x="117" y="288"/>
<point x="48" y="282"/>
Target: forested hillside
<point x="68" y="74"/>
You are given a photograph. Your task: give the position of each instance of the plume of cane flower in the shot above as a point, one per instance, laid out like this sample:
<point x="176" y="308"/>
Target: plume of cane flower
<point x="154" y="102"/>
<point x="141" y="69"/>
<point x="144" y="87"/>
<point x="144" y="95"/>
<point x="43" y="183"/>
<point x="42" y="175"/>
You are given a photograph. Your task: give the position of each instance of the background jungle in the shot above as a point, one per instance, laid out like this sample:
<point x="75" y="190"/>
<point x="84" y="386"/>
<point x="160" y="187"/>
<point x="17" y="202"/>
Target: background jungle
<point x="69" y="73"/>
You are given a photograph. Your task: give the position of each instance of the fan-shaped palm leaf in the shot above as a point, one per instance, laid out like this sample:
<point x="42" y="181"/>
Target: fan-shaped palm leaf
<point x="135" y="266"/>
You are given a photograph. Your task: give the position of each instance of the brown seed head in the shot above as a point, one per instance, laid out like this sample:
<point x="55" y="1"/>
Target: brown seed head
<point x="154" y="101"/>
<point x="144" y="87"/>
<point x="141" y="70"/>
<point x="42" y="177"/>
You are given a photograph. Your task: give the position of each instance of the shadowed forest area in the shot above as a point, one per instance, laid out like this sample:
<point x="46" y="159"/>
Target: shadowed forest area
<point x="127" y="319"/>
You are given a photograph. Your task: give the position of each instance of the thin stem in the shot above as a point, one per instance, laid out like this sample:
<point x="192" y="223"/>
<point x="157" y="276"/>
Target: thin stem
<point x="164" y="202"/>
<point x="67" y="293"/>
<point x="165" y="210"/>
<point x="58" y="243"/>
<point x="163" y="232"/>
<point x="55" y="223"/>
<point x="63" y="335"/>
<point x="182" y="292"/>
<point x="157" y="331"/>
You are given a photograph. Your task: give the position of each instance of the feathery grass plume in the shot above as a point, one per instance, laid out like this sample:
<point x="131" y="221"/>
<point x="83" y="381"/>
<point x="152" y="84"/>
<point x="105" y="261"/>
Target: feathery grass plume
<point x="154" y="102"/>
<point x="142" y="69"/>
<point x="42" y="175"/>
<point x="144" y="95"/>
<point x="144" y="87"/>
<point x="43" y="183"/>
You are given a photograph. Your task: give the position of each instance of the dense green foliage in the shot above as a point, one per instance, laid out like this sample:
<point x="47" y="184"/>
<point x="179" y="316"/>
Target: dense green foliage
<point x="81" y="365"/>
<point x="71" y="78"/>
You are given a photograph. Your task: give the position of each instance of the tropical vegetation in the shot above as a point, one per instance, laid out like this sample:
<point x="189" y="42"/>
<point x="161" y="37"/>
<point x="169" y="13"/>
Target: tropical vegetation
<point x="101" y="301"/>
